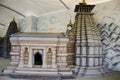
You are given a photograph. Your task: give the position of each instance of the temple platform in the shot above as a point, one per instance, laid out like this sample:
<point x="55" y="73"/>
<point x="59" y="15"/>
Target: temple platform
<point x="38" y="75"/>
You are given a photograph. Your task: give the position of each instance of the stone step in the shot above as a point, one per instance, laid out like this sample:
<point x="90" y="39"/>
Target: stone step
<point x="37" y="77"/>
<point x="37" y="69"/>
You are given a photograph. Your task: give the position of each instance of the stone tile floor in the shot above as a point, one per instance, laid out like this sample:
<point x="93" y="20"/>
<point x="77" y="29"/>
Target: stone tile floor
<point x="5" y="62"/>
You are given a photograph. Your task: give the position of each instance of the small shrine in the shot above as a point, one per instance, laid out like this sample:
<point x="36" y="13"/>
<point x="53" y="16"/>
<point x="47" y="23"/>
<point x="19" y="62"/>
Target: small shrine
<point x="34" y="52"/>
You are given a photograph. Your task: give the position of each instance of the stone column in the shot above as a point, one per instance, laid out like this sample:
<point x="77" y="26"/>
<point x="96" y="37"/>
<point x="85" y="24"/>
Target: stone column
<point x="54" y="58"/>
<point x="21" y="59"/>
<point x="30" y="59"/>
<point x="44" y="58"/>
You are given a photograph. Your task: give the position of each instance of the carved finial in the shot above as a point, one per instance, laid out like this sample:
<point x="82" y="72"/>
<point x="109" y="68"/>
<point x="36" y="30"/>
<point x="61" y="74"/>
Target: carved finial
<point x="84" y="2"/>
<point x="70" y="22"/>
<point x="26" y="49"/>
<point x="13" y="19"/>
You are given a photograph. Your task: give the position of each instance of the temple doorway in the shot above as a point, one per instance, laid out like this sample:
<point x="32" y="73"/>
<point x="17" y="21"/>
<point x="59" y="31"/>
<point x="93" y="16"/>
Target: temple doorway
<point x="38" y="59"/>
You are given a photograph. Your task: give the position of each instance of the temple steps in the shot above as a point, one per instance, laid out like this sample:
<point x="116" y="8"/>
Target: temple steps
<point x="39" y="73"/>
<point x="37" y="76"/>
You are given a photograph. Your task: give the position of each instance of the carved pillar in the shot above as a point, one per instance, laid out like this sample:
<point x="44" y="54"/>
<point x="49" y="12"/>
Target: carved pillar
<point x="30" y="59"/>
<point x="21" y="58"/>
<point x="54" y="58"/>
<point x="44" y="53"/>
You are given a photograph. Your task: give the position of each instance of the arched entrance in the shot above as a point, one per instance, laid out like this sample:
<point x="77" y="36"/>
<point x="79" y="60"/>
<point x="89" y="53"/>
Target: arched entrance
<point x="38" y="59"/>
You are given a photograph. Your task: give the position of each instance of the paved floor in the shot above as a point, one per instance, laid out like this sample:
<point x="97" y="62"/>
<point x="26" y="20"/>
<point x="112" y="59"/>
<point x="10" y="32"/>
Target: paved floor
<point x="5" y="62"/>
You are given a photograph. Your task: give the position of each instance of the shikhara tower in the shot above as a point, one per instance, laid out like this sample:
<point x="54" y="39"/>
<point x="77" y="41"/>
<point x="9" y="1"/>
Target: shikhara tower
<point x="88" y="46"/>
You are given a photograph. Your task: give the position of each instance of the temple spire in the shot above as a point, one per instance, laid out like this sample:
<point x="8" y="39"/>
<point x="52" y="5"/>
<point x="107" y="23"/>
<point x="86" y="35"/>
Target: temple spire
<point x="83" y="7"/>
<point x="13" y="19"/>
<point x="70" y="22"/>
<point x="84" y="2"/>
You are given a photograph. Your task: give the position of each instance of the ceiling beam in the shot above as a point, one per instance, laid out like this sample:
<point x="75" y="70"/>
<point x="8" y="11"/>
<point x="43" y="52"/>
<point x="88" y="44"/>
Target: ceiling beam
<point x="12" y="10"/>
<point x="2" y="24"/>
<point x="53" y="12"/>
<point x="64" y="4"/>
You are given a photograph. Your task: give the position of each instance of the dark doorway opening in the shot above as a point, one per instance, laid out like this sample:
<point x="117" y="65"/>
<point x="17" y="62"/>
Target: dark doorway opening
<point x="38" y="59"/>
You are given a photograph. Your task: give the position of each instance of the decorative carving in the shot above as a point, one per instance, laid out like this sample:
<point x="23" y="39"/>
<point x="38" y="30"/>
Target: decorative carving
<point x="26" y="56"/>
<point x="70" y="46"/>
<point x="49" y="56"/>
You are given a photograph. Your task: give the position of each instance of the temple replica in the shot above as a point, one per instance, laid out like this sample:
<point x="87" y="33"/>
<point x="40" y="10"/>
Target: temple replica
<point x="78" y="52"/>
<point x="39" y="54"/>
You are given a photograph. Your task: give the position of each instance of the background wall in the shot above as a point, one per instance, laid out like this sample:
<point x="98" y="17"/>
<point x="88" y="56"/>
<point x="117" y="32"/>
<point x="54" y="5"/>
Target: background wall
<point x="49" y="23"/>
<point x="107" y="20"/>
